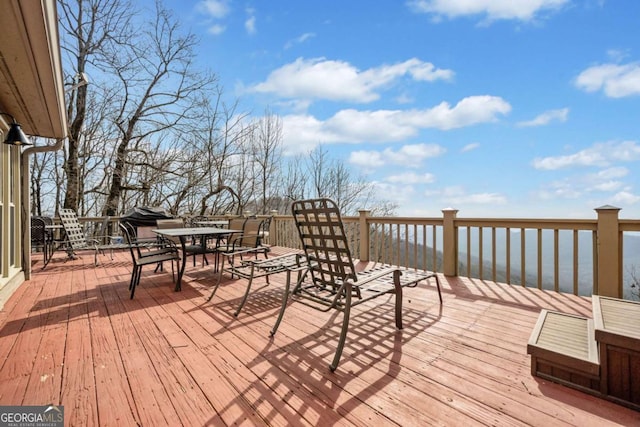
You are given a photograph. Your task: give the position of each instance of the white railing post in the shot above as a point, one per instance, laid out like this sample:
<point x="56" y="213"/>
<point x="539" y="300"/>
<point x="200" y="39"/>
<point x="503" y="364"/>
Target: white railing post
<point x="609" y="265"/>
<point x="364" y="235"/>
<point x="449" y="244"/>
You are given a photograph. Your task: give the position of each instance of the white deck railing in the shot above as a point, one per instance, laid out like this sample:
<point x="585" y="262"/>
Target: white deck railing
<point x="582" y="257"/>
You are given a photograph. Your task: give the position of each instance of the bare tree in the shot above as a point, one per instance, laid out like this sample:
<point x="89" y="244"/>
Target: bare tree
<point x="634" y="282"/>
<point x="88" y="26"/>
<point x="267" y="154"/>
<point x="39" y="171"/>
<point x="331" y="178"/>
<point x="159" y="89"/>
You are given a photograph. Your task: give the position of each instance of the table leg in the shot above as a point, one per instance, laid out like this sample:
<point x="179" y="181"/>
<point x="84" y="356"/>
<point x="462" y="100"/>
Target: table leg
<point x="183" y="265"/>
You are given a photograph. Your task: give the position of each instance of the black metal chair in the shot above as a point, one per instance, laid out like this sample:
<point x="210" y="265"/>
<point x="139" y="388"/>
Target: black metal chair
<point x="155" y="246"/>
<point x="40" y="237"/>
<point x="331" y="281"/>
<point x="141" y="258"/>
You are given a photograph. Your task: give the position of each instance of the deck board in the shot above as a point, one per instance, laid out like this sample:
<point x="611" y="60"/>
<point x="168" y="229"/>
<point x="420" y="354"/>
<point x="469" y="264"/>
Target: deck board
<point x="72" y="336"/>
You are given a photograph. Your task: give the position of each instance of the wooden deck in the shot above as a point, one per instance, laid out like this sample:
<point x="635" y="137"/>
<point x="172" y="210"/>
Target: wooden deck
<point x="72" y="336"/>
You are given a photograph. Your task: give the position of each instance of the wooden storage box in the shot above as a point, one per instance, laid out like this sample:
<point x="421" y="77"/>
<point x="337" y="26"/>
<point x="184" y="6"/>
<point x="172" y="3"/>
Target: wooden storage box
<point x="563" y="350"/>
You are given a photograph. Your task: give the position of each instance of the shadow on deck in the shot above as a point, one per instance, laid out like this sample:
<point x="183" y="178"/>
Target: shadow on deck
<point x="72" y="336"/>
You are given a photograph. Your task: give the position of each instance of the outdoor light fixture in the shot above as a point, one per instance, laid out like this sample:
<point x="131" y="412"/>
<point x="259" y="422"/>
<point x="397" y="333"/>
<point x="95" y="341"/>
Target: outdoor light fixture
<point x="15" y="136"/>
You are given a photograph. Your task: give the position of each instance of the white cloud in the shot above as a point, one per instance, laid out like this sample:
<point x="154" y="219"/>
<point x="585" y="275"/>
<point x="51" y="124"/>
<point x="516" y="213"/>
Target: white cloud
<point x="625" y="198"/>
<point x="250" y="23"/>
<point x="217" y="9"/>
<point x="299" y="40"/>
<point x="522" y="10"/>
<point x="611" y="173"/>
<point x="457" y="196"/>
<point x="600" y="154"/>
<point x="404" y="99"/>
<point x="607" y="186"/>
<point x="606" y="180"/>
<point x="366" y="159"/>
<point x="214" y="10"/>
<point x="412" y="178"/>
<point x="320" y="78"/>
<point x="470" y="147"/>
<point x="216" y="29"/>
<point x="408" y="156"/>
<point x="560" y="189"/>
<point x="302" y="132"/>
<point x="469" y="111"/>
<point x="616" y="81"/>
<point x="547" y="117"/>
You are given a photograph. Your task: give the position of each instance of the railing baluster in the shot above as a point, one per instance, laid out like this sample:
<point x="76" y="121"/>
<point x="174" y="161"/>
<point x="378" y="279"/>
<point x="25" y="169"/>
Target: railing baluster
<point x="556" y="272"/>
<point x="508" y="255"/>
<point x="523" y="258"/>
<point x="468" y="251"/>
<point x="493" y="253"/>
<point x="539" y="258"/>
<point x="434" y="253"/>
<point x="480" y="253"/>
<point x="575" y="262"/>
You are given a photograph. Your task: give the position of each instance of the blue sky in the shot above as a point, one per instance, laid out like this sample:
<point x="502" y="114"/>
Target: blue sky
<point x="497" y="108"/>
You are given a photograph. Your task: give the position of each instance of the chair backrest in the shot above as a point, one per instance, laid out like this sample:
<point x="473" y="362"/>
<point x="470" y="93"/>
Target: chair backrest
<point x="128" y="231"/>
<point x="237" y="223"/>
<point x="171" y="223"/>
<point x="251" y="230"/>
<point x="324" y="241"/>
<point x="47" y="220"/>
<point x="38" y="233"/>
<point x="75" y="234"/>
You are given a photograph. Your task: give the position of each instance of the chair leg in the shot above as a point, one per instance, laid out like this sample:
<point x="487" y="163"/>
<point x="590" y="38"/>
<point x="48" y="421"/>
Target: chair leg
<point x="45" y="255"/>
<point x="398" y="293"/>
<point x="285" y="299"/>
<point x="438" y="284"/>
<point x="343" y="332"/>
<point x="135" y="279"/>
<point x="246" y="293"/>
<point x="215" y="288"/>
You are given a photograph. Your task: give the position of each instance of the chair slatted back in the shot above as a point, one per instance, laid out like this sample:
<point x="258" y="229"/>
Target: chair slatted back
<point x="324" y="241"/>
<point x="75" y="234"/>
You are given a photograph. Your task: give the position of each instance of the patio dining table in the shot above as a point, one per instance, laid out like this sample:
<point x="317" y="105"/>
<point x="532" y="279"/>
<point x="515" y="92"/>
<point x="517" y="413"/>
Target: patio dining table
<point x="184" y="233"/>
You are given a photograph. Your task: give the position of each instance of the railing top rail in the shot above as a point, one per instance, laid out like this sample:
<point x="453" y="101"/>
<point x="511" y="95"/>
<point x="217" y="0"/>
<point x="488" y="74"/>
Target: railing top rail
<point x="564" y="224"/>
<point x="629" y="225"/>
<point x="404" y="220"/>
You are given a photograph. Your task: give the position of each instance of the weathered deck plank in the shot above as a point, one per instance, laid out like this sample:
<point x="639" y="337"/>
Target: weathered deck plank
<point x="72" y="336"/>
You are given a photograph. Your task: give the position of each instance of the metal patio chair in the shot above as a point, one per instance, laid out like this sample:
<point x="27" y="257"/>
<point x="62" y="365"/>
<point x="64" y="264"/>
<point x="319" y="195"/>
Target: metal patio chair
<point x="77" y="240"/>
<point x="331" y="281"/>
<point x="247" y="243"/>
<point x="41" y="238"/>
<point x="144" y="257"/>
